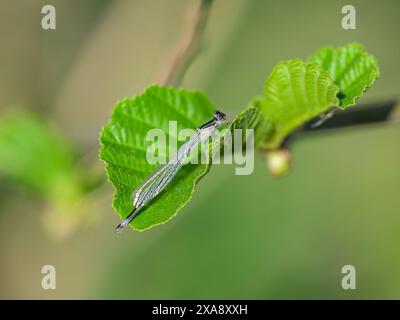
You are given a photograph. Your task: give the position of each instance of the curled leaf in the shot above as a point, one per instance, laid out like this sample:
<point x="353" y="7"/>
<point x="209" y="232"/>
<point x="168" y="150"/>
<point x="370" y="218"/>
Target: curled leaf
<point x="294" y="93"/>
<point x="353" y="69"/>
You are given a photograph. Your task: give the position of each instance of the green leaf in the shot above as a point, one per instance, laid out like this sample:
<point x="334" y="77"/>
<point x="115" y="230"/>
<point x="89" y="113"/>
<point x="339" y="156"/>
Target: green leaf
<point x="33" y="154"/>
<point x="252" y="118"/>
<point x="36" y="157"/>
<point x="351" y="68"/>
<point x="294" y="93"/>
<point x="124" y="145"/>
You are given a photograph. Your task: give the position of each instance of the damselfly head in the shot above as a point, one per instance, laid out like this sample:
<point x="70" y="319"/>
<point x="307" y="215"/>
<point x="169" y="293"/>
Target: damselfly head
<point x="219" y="117"/>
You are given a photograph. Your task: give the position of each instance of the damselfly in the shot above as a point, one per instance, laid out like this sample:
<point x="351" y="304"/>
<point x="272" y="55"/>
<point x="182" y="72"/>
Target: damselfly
<point x="157" y="181"/>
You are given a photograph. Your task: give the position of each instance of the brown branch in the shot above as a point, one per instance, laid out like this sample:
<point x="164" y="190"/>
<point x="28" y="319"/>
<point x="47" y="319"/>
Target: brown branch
<point x="383" y="112"/>
<point x="188" y="46"/>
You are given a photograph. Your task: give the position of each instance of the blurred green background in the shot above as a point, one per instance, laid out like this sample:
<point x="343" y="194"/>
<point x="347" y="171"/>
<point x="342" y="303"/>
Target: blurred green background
<point x="241" y="237"/>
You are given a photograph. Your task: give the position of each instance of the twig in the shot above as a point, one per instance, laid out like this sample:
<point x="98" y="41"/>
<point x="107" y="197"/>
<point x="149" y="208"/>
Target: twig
<point x="386" y="112"/>
<point x="188" y="46"/>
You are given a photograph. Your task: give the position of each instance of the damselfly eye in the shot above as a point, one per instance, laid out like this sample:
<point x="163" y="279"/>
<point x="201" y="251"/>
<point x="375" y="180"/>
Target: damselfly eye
<point x="221" y="117"/>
